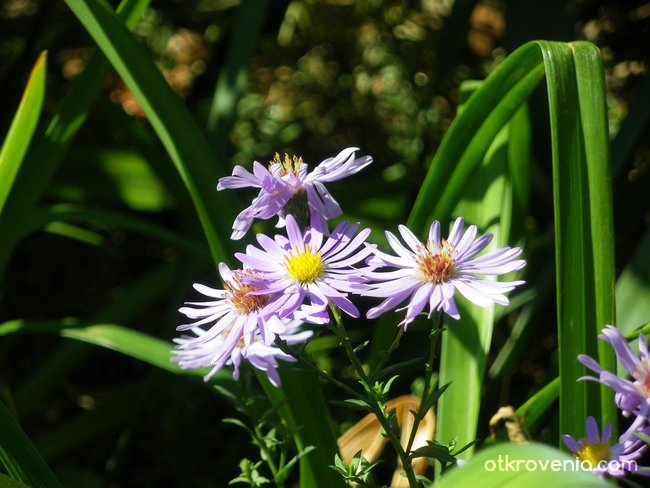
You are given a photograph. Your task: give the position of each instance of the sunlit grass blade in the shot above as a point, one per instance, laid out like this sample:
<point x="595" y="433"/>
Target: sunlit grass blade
<point x="234" y="73"/>
<point x="537" y="405"/>
<point x="303" y="408"/>
<point x="52" y="369"/>
<point x="131" y="222"/>
<point x="486" y="203"/>
<point x="177" y="130"/>
<point x="584" y="237"/>
<point x="19" y="457"/>
<point x="7" y="482"/>
<point x="472" y="132"/>
<point x="48" y="148"/>
<point x="22" y="128"/>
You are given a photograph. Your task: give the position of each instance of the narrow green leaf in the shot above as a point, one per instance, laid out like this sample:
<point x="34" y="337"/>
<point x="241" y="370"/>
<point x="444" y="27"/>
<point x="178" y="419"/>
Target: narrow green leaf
<point x="80" y="214"/>
<point x="234" y="74"/>
<point x="304" y="409"/>
<point x="22" y="128"/>
<point x="175" y="127"/>
<point x="472" y="132"/>
<point x="7" y="482"/>
<point x="48" y="148"/>
<point x="487" y="203"/>
<point x="583" y="226"/>
<point x="19" y="457"/>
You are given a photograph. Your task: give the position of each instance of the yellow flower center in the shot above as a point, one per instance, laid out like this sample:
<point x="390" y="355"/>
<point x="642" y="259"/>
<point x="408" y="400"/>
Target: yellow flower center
<point x="289" y="164"/>
<point x="305" y="267"/>
<point x="642" y="375"/>
<point x="240" y="298"/>
<point x="594" y="453"/>
<point x="436" y="266"/>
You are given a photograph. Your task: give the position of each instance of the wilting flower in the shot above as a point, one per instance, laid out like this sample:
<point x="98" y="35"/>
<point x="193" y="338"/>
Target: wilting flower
<point x="632" y="395"/>
<point x="430" y="273"/>
<point x="305" y="271"/>
<point x="601" y="457"/>
<point x="237" y="328"/>
<point x="287" y="188"/>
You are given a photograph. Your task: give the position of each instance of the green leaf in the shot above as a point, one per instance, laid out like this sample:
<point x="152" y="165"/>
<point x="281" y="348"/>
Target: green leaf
<point x="127" y="221"/>
<point x="584" y="235"/>
<point x="234" y="74"/>
<point x="7" y="482"/>
<point x="22" y="128"/>
<point x="521" y="466"/>
<point x="487" y="203"/>
<point x="532" y="411"/>
<point x="19" y="457"/>
<point x="175" y="127"/>
<point x="48" y="148"/>
<point x="304" y="410"/>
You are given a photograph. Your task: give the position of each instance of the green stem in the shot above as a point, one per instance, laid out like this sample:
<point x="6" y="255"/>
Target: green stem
<point x="291" y="351"/>
<point x="256" y="432"/>
<point x="386" y="355"/>
<point x="435" y="333"/>
<point x="339" y="330"/>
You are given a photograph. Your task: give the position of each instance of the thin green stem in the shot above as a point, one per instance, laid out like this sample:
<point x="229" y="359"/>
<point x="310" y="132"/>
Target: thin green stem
<point x="377" y="408"/>
<point x="386" y="356"/>
<point x="256" y="432"/>
<point x="287" y="349"/>
<point x="433" y="340"/>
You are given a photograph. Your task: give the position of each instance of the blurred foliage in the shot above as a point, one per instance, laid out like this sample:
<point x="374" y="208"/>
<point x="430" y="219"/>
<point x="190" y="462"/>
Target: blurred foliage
<point x="382" y="75"/>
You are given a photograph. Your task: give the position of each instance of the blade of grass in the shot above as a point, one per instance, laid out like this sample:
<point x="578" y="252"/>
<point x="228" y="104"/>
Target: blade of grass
<point x="79" y="214"/>
<point x="22" y="128"/>
<point x="234" y="74"/>
<point x="309" y="417"/>
<point x="583" y="226"/>
<point x="487" y="203"/>
<point x="136" y="297"/>
<point x="175" y="127"/>
<point x="48" y="148"/>
<point x="19" y="457"/>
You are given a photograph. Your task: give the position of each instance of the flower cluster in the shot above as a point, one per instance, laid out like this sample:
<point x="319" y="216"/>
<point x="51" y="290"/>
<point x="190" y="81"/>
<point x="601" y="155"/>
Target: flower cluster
<point x="292" y="278"/>
<point x="632" y="397"/>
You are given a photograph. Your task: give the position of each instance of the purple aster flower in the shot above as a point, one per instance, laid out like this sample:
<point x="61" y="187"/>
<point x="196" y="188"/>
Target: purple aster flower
<point x="615" y="459"/>
<point x="306" y="270"/>
<point x="287" y="188"/>
<point x="430" y="273"/>
<point x="632" y="395"/>
<point x="195" y="351"/>
<point x="236" y="326"/>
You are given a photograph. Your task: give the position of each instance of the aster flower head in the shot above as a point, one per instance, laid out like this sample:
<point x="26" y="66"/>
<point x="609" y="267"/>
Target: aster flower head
<point x="286" y="187"/>
<point x="632" y="395"/>
<point x="236" y="326"/>
<point x="195" y="351"/>
<point x="604" y="457"/>
<point x="306" y="270"/>
<point x="430" y="273"/>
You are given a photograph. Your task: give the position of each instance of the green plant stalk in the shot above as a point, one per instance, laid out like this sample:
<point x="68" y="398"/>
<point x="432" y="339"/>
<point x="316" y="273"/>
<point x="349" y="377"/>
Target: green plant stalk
<point x="433" y="346"/>
<point x="339" y="330"/>
<point x="48" y="148"/>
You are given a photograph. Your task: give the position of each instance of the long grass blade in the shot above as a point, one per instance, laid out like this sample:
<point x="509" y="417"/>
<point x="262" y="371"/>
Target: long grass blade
<point x="19" y="457"/>
<point x="48" y="148"/>
<point x="175" y="127"/>
<point x="22" y="128"/>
